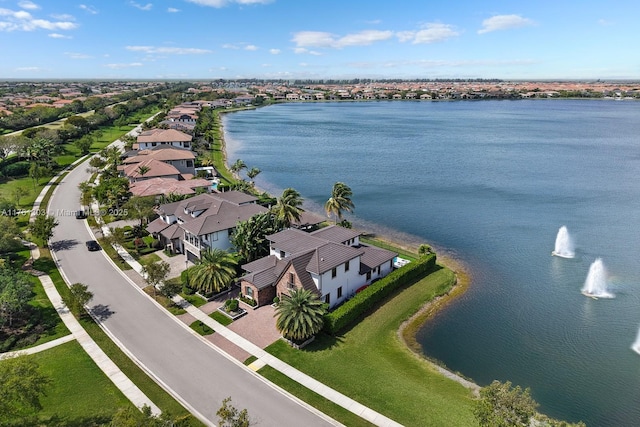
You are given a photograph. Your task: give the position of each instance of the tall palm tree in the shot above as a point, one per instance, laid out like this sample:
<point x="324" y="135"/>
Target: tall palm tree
<point x="339" y="201"/>
<point x="238" y="166"/>
<point x="252" y="173"/>
<point x="288" y="208"/>
<point x="214" y="272"/>
<point x="300" y="315"/>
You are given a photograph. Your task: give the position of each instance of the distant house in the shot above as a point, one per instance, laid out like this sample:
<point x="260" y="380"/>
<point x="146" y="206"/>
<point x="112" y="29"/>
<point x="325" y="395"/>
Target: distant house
<point x="163" y="162"/>
<point x="201" y="222"/>
<point x="160" y="186"/>
<point x="163" y="138"/>
<point x="330" y="262"/>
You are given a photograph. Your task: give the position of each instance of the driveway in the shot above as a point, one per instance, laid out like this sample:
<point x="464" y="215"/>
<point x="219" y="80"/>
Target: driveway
<point x="176" y="357"/>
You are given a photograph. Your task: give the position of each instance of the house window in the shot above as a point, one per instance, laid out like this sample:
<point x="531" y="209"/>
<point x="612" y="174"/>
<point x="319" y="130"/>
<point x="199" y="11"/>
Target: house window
<point x="327" y="298"/>
<point x="292" y="278"/>
<point x="248" y="291"/>
<point x="340" y="292"/>
<point x="189" y="163"/>
<point x="281" y="254"/>
<point x="346" y="266"/>
<point x="368" y="275"/>
<point x="153" y="144"/>
<point x="334" y="272"/>
<point x="186" y="145"/>
<point x="213" y="236"/>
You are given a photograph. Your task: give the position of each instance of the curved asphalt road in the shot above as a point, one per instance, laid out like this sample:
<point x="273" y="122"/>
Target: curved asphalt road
<point x="198" y="374"/>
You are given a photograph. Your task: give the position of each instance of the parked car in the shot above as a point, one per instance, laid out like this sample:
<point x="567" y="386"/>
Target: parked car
<point x="92" y="245"/>
<point x="81" y="214"/>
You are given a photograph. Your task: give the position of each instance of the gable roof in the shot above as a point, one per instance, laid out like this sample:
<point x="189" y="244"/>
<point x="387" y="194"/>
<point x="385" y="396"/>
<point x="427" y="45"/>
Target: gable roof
<point x="163" y="135"/>
<point x="163" y="154"/>
<point x="336" y="233"/>
<point x="156" y="169"/>
<point x="160" y="185"/>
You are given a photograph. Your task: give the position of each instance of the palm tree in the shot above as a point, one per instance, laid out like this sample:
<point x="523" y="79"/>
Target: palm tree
<point x="300" y="315"/>
<point x="288" y="208"/>
<point x="238" y="166"/>
<point x="252" y="173"/>
<point x="339" y="201"/>
<point x="143" y="169"/>
<point x="214" y="272"/>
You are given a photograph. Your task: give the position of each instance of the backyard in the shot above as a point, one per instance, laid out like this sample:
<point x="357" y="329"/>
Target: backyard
<point x="379" y="371"/>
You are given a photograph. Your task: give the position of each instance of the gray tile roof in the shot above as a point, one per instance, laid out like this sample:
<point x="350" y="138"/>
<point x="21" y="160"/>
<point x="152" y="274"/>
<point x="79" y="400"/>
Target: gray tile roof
<point x="331" y="255"/>
<point x="374" y="257"/>
<point x="220" y="215"/>
<point x="335" y="233"/>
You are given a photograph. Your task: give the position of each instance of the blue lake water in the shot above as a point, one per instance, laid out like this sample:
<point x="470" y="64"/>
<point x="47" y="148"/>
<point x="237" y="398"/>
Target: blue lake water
<point x="490" y="183"/>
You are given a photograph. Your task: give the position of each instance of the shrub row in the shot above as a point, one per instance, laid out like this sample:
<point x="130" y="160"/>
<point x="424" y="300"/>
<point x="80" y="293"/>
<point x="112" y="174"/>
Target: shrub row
<point x="365" y="300"/>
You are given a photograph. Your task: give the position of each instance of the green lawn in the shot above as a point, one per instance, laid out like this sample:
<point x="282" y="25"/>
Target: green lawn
<point x="371" y="365"/>
<point x="80" y="393"/>
<point x="220" y="318"/>
<point x="79" y="388"/>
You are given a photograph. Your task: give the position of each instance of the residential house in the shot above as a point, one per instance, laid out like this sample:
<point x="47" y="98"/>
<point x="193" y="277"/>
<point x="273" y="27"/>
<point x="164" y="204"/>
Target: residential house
<point x="330" y="262"/>
<point x="204" y="221"/>
<point x="163" y="138"/>
<point x="162" y="186"/>
<point x="164" y="162"/>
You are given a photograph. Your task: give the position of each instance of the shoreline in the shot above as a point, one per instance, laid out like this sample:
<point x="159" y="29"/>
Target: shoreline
<point x="409" y="328"/>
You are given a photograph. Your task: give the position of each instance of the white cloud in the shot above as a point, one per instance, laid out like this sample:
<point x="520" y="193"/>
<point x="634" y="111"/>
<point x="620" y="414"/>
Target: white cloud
<point x="147" y="7"/>
<point x="26" y="4"/>
<point x="504" y="22"/>
<point x="63" y="17"/>
<point x="274" y="51"/>
<point x="89" y="9"/>
<point x="301" y="50"/>
<point x="605" y="22"/>
<point x="430" y="33"/>
<point x="28" y="69"/>
<point x="173" y="10"/>
<point x="59" y="36"/>
<point x="305" y="39"/>
<point x="251" y="47"/>
<point x="23" y="21"/>
<point x="75" y="55"/>
<point x="168" y="50"/>
<point x="222" y="3"/>
<point x="119" y="66"/>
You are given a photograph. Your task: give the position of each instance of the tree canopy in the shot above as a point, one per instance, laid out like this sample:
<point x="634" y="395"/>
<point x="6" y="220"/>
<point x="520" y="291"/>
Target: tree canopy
<point x="300" y="315"/>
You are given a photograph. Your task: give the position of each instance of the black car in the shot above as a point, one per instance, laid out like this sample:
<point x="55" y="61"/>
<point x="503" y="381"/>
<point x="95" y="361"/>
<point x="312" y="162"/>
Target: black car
<point x="81" y="214"/>
<point x="92" y="245"/>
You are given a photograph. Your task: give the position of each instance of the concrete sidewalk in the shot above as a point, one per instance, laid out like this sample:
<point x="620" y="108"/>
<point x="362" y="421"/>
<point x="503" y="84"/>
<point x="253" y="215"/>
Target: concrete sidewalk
<point x="38" y="348"/>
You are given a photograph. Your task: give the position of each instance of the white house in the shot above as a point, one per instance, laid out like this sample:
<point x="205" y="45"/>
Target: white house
<point x="330" y="262"/>
<point x="153" y="138"/>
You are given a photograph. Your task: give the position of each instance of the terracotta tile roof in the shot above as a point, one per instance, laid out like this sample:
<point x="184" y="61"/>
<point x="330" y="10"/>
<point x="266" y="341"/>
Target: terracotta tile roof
<point x="163" y="154"/>
<point x="156" y="169"/>
<point x="157" y="186"/>
<point x="163" y="135"/>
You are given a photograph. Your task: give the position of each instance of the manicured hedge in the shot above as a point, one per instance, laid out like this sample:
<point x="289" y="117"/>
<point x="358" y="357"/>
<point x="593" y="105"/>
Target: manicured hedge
<point x="365" y="300"/>
<point x="16" y="169"/>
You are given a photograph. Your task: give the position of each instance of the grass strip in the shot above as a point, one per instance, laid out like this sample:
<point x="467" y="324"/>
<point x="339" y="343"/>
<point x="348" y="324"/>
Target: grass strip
<point x="336" y="412"/>
<point x="221" y="318"/>
<point x="201" y="328"/>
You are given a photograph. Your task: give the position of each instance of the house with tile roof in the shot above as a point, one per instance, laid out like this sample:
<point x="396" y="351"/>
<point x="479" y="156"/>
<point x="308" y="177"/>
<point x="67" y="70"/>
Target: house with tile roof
<point x="330" y="262"/>
<point x="201" y="222"/>
<point x="167" y="162"/>
<point x="153" y="138"/>
<point x="162" y="186"/>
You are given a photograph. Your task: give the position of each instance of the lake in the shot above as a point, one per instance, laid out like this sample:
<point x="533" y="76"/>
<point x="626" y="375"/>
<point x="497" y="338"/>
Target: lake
<point x="490" y="183"/>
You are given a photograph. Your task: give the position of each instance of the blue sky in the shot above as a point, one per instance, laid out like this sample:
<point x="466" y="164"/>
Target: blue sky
<point x="209" y="39"/>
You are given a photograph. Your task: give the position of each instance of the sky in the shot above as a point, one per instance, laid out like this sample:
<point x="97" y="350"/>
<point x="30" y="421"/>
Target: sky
<point x="319" y="39"/>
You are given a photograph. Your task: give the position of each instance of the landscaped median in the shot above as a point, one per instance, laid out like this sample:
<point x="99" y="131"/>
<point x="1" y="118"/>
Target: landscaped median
<point x="369" y="363"/>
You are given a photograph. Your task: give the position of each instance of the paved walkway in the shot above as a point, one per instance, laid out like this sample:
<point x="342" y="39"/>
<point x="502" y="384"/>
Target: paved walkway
<point x="38" y="348"/>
